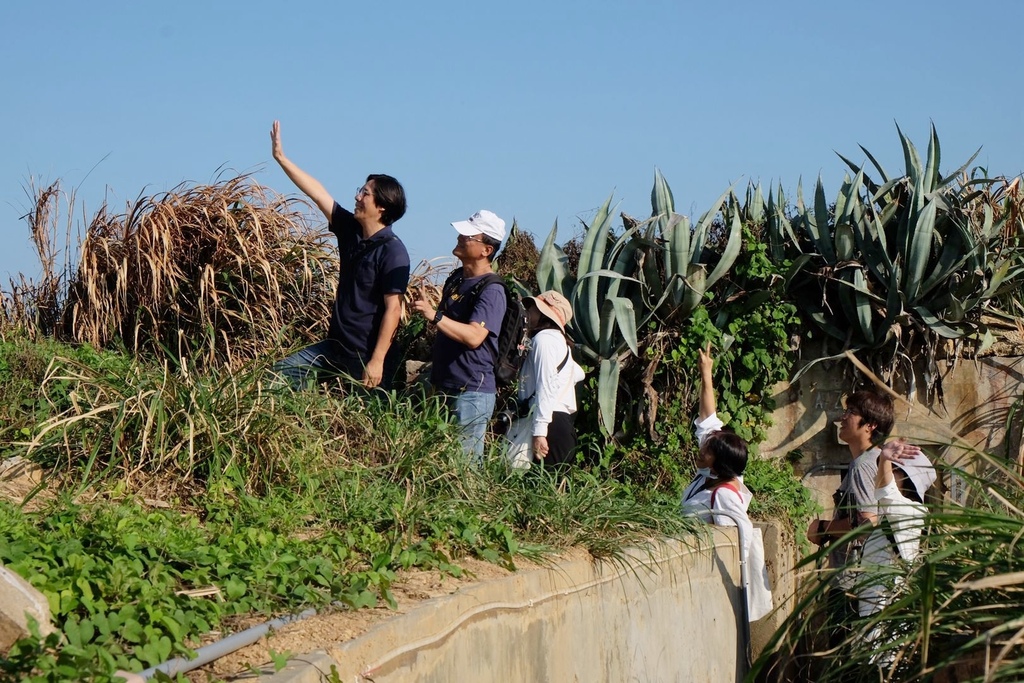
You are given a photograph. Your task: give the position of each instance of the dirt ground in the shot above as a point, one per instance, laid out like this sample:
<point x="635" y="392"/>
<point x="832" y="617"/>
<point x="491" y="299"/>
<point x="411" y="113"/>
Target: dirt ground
<point x="337" y="625"/>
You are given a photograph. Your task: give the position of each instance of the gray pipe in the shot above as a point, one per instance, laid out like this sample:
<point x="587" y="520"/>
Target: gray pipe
<point x="209" y="653"/>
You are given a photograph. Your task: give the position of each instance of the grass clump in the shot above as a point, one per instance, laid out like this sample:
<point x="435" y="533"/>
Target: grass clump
<point x="210" y="273"/>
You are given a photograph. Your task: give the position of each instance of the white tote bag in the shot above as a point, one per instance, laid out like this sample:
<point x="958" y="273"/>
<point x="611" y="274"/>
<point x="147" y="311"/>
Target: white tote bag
<point x="759" y="592"/>
<point x="520" y="439"/>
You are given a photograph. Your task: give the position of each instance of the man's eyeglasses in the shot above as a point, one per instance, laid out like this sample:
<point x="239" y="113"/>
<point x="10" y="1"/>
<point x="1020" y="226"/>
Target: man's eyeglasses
<point x="466" y="238"/>
<point x="362" y="192"/>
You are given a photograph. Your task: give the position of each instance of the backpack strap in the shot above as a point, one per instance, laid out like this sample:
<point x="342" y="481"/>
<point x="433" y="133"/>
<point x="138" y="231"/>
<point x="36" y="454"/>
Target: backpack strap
<point x="564" y="360"/>
<point x="726" y="484"/>
<point x="846" y="507"/>
<point x="886" y="527"/>
<point x="557" y="370"/>
<point x="455" y="280"/>
<point x="486" y="281"/>
<point x="367" y="247"/>
<point x="451" y="285"/>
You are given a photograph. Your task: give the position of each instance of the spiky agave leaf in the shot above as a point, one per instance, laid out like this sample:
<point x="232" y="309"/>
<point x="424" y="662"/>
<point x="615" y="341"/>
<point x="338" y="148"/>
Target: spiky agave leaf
<point x="587" y="294"/>
<point x="553" y="267"/>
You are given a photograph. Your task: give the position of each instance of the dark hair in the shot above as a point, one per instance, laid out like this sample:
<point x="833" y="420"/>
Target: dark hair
<point x="494" y="244"/>
<point x="730" y="453"/>
<point x="543" y="322"/>
<point x="873" y="408"/>
<point x="389" y="195"/>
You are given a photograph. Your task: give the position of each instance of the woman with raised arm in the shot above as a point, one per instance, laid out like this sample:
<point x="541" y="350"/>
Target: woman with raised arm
<point x="904" y="476"/>
<point x="718" y="487"/>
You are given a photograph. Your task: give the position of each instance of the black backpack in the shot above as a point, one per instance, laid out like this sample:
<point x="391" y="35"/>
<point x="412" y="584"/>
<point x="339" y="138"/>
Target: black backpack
<point x="511" y="336"/>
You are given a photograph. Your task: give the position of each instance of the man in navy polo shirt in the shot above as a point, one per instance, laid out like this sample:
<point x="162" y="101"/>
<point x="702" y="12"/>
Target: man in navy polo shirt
<point x="466" y="344"/>
<point x="373" y="276"/>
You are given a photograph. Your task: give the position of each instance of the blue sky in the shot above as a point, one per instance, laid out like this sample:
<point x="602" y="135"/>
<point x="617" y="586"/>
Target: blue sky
<point x="535" y="110"/>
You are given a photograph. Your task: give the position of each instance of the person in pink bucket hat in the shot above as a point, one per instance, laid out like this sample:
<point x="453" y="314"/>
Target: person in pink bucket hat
<point x="545" y="431"/>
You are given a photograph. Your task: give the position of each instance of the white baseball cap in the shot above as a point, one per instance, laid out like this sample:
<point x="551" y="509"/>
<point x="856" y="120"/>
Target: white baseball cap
<point x="482" y="222"/>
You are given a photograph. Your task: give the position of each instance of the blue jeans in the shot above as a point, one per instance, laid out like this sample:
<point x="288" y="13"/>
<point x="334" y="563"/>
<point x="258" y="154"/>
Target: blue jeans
<point x="323" y="359"/>
<point x="473" y="410"/>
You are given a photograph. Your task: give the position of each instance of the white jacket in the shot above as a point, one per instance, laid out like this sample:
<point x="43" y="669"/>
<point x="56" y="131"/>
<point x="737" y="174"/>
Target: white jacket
<point x="549" y="389"/>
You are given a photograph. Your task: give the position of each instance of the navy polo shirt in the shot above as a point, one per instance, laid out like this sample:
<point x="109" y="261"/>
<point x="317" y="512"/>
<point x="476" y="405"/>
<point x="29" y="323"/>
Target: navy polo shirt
<point x="369" y="269"/>
<point x="456" y="367"/>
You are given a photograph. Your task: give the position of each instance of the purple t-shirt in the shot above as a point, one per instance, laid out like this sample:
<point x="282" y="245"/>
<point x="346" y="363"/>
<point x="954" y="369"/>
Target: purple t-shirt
<point x="369" y="269"/>
<point x="456" y="367"/>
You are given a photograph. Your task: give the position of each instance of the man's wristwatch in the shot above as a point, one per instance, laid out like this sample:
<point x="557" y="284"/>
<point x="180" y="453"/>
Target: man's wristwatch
<point x="437" y="317"/>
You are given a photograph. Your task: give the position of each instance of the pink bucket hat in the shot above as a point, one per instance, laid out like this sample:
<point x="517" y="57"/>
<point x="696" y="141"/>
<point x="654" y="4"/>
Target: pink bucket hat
<point x="553" y="306"/>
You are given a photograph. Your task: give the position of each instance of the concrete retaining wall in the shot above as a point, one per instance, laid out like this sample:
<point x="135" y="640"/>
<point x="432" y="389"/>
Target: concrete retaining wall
<point x="670" y="615"/>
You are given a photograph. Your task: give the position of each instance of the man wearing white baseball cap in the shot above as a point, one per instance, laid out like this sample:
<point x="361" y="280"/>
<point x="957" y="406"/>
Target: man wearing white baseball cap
<point x="468" y="320"/>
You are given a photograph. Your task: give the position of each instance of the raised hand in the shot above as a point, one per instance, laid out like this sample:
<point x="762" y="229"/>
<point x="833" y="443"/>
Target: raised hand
<point x="899" y="450"/>
<point x="275" y="141"/>
<point x="704" y="360"/>
<point x="706" y="403"/>
<point x="425" y="308"/>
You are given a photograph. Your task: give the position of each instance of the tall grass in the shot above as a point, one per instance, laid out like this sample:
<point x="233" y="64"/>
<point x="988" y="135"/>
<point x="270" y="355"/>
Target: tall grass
<point x="212" y="273"/>
<point x="136" y="426"/>
<point x="143" y="420"/>
<point x="35" y="305"/>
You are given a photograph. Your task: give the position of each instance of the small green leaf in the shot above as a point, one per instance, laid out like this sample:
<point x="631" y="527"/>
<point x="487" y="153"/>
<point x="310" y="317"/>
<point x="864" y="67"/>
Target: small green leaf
<point x="132" y="631"/>
<point x="280" y="659"/>
<point x="234" y="588"/>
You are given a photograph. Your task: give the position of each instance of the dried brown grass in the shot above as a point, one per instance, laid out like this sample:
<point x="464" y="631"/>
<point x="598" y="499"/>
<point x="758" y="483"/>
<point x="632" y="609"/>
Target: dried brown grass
<point x="34" y="306"/>
<point x="518" y="258"/>
<point x="216" y="273"/>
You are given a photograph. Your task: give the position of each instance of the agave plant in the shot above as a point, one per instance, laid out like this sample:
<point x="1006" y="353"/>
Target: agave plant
<point x="604" y="324"/>
<point x="682" y="262"/>
<point x="920" y="254"/>
<point x="655" y="268"/>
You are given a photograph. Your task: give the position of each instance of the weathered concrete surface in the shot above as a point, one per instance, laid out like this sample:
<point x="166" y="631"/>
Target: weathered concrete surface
<point x="19" y="601"/>
<point x="671" y="615"/>
<point x="780" y="555"/>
